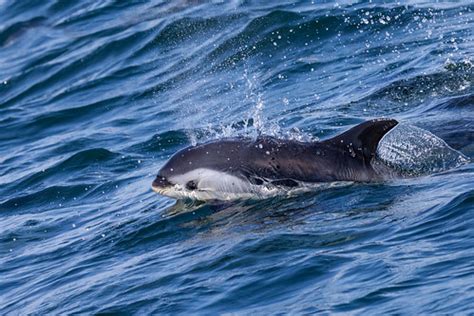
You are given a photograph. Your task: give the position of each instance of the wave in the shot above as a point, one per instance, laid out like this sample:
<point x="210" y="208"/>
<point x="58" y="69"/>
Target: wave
<point x="94" y="96"/>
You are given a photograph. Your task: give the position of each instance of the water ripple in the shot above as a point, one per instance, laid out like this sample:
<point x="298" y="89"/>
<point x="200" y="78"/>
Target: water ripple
<point x="95" y="96"/>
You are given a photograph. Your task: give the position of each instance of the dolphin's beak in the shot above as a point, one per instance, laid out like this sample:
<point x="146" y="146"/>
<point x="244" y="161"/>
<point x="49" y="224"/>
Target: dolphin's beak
<point x="160" y="183"/>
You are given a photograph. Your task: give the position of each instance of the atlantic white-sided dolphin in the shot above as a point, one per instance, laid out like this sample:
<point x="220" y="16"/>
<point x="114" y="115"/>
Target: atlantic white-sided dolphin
<point x="245" y="168"/>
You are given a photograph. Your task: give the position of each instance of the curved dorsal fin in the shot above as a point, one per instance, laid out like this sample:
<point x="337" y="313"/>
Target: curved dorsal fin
<point x="363" y="139"/>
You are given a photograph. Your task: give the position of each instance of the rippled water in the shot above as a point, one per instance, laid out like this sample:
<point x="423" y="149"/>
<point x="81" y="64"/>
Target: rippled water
<point x="96" y="95"/>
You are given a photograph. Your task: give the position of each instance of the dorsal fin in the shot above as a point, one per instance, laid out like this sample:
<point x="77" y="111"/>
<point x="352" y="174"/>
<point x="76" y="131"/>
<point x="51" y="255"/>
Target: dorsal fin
<point x="363" y="139"/>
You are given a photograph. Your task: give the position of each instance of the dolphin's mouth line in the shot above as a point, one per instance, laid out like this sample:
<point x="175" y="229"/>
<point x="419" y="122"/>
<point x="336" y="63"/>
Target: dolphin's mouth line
<point x="157" y="189"/>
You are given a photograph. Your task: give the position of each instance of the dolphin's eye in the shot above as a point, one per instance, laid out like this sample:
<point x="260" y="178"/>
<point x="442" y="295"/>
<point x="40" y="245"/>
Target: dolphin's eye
<point x="191" y="185"/>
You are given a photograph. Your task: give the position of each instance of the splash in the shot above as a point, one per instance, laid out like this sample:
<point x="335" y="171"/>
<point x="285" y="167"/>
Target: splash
<point x="260" y="125"/>
<point x="254" y="124"/>
<point x="413" y="151"/>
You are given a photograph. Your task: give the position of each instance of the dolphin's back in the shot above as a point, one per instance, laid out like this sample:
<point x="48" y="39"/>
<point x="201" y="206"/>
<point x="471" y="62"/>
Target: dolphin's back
<point x="346" y="157"/>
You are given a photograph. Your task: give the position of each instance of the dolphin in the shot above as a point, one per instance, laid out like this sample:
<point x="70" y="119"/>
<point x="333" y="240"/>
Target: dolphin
<point x="235" y="168"/>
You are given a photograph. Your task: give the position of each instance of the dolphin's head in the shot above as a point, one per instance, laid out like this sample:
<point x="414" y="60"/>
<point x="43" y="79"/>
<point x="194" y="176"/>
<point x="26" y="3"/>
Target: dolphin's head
<point x="204" y="172"/>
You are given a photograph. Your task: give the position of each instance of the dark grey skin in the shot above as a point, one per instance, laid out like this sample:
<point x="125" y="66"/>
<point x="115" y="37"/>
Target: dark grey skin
<point x="346" y="157"/>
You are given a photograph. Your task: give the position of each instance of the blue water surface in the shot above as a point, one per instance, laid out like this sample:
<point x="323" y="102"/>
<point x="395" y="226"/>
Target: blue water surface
<point x="96" y="95"/>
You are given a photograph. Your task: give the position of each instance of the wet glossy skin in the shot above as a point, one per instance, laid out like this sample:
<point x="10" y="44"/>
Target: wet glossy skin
<point x="346" y="157"/>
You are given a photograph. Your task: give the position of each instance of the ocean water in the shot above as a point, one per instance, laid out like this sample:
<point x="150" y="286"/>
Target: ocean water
<point x="96" y="95"/>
